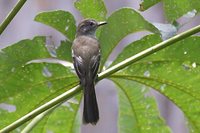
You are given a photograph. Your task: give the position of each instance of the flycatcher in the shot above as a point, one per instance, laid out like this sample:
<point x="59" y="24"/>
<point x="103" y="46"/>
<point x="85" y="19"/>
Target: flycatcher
<point x="86" y="59"/>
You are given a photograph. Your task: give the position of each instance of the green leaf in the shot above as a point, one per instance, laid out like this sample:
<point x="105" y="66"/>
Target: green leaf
<point x="185" y="50"/>
<point x="121" y="23"/>
<point x="174" y="72"/>
<point x="185" y="100"/>
<point x="137" y="47"/>
<point x="65" y="116"/>
<point x="147" y="4"/>
<point x="25" y="87"/>
<point x="137" y="112"/>
<point x="64" y="51"/>
<point x="91" y="9"/>
<point x="176" y="8"/>
<point x="62" y="21"/>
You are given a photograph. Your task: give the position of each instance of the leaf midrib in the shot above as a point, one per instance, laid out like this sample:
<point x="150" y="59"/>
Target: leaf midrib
<point x="132" y="107"/>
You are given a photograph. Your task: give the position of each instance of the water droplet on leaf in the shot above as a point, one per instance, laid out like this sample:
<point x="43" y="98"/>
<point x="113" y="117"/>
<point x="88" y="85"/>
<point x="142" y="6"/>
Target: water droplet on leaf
<point x="67" y="27"/>
<point x="147" y="73"/>
<point x="162" y="87"/>
<point x="143" y="88"/>
<point x="13" y="69"/>
<point x="148" y="106"/>
<point x="194" y="65"/>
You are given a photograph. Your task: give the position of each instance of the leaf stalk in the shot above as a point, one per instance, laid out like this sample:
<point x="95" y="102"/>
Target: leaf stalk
<point x="11" y="15"/>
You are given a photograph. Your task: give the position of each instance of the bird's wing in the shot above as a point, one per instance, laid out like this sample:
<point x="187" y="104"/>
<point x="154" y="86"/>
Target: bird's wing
<point x="94" y="65"/>
<point x="79" y="66"/>
<point x="82" y="68"/>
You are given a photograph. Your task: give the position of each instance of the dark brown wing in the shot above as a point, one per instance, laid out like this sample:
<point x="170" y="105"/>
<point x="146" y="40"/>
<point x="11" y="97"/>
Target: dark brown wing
<point x="95" y="61"/>
<point x="78" y="65"/>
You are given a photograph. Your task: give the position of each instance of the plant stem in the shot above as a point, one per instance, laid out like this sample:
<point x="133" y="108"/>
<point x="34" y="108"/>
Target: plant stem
<point x="38" y="118"/>
<point x="102" y="75"/>
<point x="11" y="15"/>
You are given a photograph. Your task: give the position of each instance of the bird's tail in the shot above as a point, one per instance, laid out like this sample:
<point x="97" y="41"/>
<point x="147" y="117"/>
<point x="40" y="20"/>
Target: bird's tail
<point x="90" y="109"/>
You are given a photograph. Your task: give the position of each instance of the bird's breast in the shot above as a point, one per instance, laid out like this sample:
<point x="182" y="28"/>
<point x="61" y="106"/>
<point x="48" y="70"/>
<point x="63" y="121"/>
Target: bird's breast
<point x="86" y="47"/>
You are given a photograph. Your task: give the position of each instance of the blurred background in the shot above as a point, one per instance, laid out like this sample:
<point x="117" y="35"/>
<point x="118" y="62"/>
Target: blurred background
<point x="23" y="27"/>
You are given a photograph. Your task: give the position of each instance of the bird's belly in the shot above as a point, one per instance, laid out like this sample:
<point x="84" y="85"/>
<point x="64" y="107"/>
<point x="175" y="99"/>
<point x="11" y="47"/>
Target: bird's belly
<point x="87" y="52"/>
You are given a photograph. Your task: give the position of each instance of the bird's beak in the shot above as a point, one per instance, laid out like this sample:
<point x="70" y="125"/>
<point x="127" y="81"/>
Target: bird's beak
<point x="102" y="23"/>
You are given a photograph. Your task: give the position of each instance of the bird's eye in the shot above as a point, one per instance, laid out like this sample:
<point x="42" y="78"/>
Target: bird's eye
<point x="91" y="23"/>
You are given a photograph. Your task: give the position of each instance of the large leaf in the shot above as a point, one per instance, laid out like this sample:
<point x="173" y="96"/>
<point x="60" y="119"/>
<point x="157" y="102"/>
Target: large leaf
<point x="92" y="9"/>
<point x="28" y="86"/>
<point x="174" y="72"/>
<point x="137" y="112"/>
<point x="120" y="24"/>
<point x="62" y="21"/>
<point x="176" y="8"/>
<point x="65" y="116"/>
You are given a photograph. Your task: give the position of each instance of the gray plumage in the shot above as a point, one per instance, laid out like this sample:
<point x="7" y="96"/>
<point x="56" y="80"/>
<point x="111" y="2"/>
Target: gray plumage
<point x="86" y="58"/>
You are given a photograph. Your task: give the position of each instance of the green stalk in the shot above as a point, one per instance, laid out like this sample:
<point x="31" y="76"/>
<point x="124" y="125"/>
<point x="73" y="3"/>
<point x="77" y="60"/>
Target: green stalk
<point x="11" y="15"/>
<point x="102" y="75"/>
<point x="38" y="118"/>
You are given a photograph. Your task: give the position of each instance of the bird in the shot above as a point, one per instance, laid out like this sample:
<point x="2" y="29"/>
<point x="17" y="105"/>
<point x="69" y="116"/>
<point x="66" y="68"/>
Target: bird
<point x="86" y="56"/>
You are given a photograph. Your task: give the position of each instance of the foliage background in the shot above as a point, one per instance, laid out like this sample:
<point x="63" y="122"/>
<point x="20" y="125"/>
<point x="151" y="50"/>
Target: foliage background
<point x="107" y="96"/>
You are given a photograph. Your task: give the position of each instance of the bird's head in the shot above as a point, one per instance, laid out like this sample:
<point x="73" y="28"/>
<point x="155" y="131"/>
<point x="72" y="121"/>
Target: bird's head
<point x="88" y="27"/>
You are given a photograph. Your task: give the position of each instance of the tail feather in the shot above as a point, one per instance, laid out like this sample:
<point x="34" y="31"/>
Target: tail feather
<point x="90" y="111"/>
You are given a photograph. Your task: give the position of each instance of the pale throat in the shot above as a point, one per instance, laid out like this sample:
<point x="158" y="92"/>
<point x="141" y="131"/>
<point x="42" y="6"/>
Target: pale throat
<point x="91" y="33"/>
